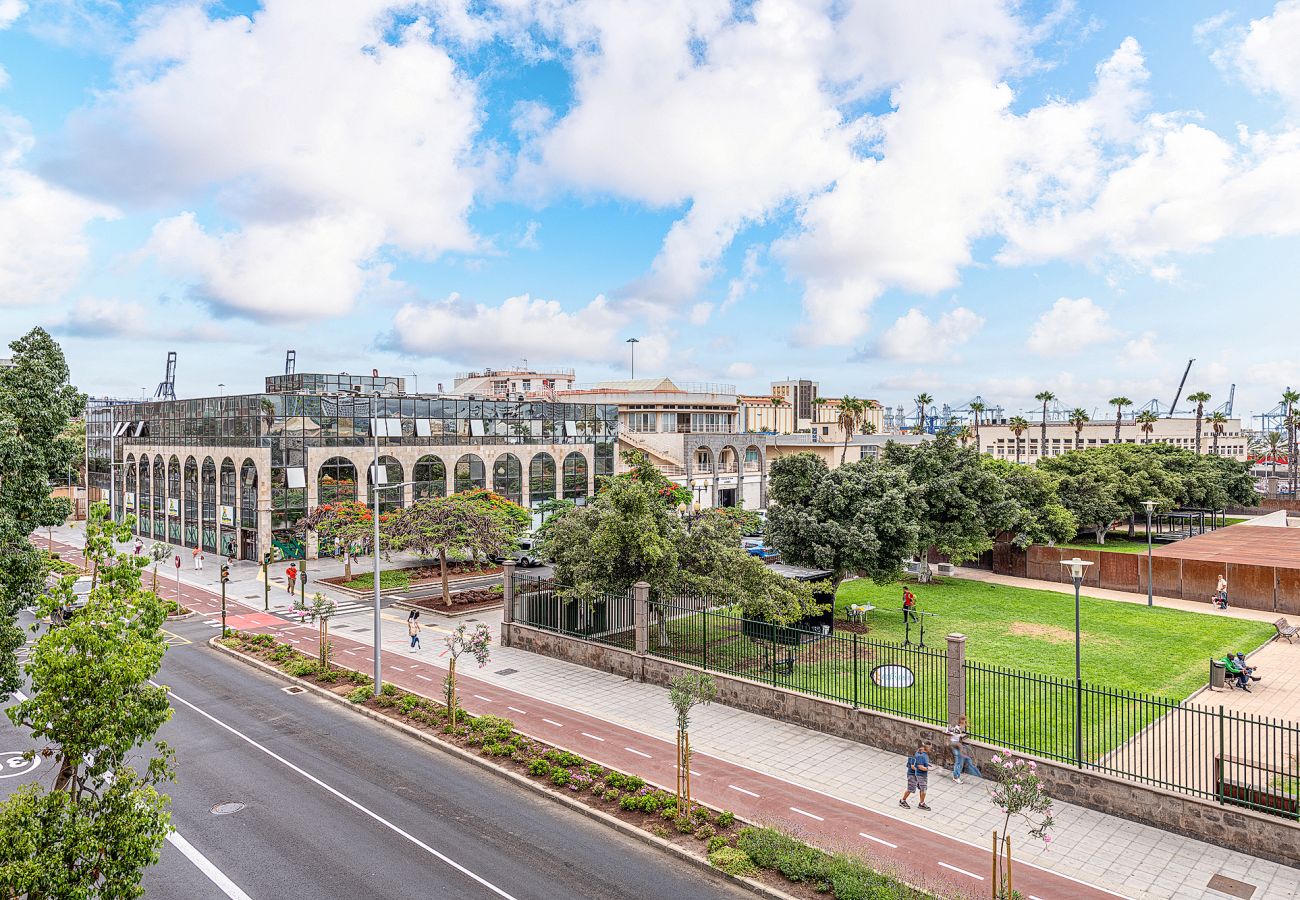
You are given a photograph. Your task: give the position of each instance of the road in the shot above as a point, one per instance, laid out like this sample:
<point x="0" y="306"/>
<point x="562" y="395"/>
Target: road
<point x="335" y="805"/>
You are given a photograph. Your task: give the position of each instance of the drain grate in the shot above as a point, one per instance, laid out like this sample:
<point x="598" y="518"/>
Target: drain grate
<point x="225" y="809"/>
<point x="1231" y="886"/>
<point x="294" y="689"/>
<point x="507" y="671"/>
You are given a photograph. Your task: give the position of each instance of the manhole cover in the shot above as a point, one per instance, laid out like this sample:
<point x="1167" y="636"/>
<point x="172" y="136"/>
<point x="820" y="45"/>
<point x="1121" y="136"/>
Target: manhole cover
<point x="225" y="809"/>
<point x="293" y="689"/>
<point x="507" y="671"/>
<point x="1232" y="887"/>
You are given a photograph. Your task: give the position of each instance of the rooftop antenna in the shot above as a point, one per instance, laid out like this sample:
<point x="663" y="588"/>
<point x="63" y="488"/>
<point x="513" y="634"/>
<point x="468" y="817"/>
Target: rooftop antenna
<point x="290" y="361"/>
<point x="167" y="387"/>
<point x="1173" y="407"/>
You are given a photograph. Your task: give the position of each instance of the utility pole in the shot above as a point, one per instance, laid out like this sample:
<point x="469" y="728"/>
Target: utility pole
<point x="266" y="582"/>
<point x="225" y="576"/>
<point x="374" y="483"/>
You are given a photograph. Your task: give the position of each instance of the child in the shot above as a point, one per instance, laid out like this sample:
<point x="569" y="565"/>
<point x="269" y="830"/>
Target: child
<point x="918" y="775"/>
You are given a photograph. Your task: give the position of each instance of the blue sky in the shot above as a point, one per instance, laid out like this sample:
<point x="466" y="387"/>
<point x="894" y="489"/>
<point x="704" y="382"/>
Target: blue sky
<point x="888" y="197"/>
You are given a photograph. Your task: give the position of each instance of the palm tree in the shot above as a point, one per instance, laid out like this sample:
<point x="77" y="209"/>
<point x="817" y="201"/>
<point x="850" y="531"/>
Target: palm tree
<point x="1200" y="398"/>
<point x="1147" y="420"/>
<point x="964" y="434"/>
<point x="922" y="401"/>
<point x="1119" y="403"/>
<point x="976" y="408"/>
<point x="1289" y="399"/>
<point x="819" y="403"/>
<point x="1078" y="418"/>
<point x="777" y="403"/>
<point x="1218" y="424"/>
<point x="1046" y="397"/>
<point x="865" y="423"/>
<point x="1018" y="426"/>
<point x="1274" y="441"/>
<point x="848" y="420"/>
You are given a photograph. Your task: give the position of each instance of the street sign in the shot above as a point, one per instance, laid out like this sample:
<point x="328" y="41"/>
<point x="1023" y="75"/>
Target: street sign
<point x="178" y="561"/>
<point x="893" y="676"/>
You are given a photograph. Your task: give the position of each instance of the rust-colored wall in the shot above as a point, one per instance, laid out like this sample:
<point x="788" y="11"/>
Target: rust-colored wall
<point x="1041" y="563"/>
<point x="1287" y="602"/>
<point x="1252" y="586"/>
<point x="1166" y="574"/>
<point x="1118" y="571"/>
<point x="1200" y="578"/>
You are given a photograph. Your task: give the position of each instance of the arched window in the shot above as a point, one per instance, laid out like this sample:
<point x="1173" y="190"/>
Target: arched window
<point x="174" y="500"/>
<point x="508" y="478"/>
<point x="469" y="473"/>
<point x="430" y="477"/>
<point x="336" y="480"/>
<point x="753" y="459"/>
<point x="541" y="479"/>
<point x="389" y="498"/>
<point x="131" y="487"/>
<point x="208" y="496"/>
<point x="248" y="510"/>
<point x="191" y="530"/>
<point x="728" y="460"/>
<point x="159" y="498"/>
<point x="704" y="460"/>
<point x="575" y="476"/>
<point x="228" y="515"/>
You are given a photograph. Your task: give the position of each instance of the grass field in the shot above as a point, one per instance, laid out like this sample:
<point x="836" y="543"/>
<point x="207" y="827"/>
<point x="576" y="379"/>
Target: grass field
<point x="1114" y="544"/>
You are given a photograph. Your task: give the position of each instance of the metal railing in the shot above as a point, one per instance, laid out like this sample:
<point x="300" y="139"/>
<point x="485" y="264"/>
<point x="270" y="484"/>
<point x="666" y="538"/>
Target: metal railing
<point x="606" y="618"/>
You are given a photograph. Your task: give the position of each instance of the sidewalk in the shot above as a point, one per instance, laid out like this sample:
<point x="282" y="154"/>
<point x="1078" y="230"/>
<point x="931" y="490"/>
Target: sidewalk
<point x="833" y="791"/>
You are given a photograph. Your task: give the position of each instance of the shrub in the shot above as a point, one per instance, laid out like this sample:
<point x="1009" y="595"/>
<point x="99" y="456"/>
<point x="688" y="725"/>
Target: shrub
<point x="726" y="818"/>
<point x="850" y="879"/>
<point x="794" y="859"/>
<point x="700" y="813"/>
<point x="263" y="640"/>
<point x="389" y="690"/>
<point x="595" y="771"/>
<point x="684" y="825"/>
<point x="408" y="704"/>
<point x="329" y="676"/>
<point x="358" y="678"/>
<point x="473" y="739"/>
<point x="560" y="776"/>
<point x="597" y="788"/>
<point x="494" y="728"/>
<point x="669" y="811"/>
<point x="659" y="831"/>
<point x="615" y="779"/>
<point x="539" y="767"/>
<point x="580" y="782"/>
<point x="563" y="758"/>
<point x="359" y="695"/>
<point x="632" y="783"/>
<point x="705" y="832"/>
<point x="611" y="794"/>
<point x="733" y="862"/>
<point x="300" y="668"/>
<point x="716" y="843"/>
<point x="384" y="701"/>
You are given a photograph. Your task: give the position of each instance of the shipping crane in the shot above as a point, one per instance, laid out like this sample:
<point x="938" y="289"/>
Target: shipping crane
<point x="167" y="387"/>
<point x="1173" y="407"/>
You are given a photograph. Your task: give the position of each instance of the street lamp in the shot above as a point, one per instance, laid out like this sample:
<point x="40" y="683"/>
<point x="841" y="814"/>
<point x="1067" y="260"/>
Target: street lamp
<point x="1150" y="506"/>
<point x="1077" y="568"/>
<point x="633" y="342"/>
<point x="221" y="389"/>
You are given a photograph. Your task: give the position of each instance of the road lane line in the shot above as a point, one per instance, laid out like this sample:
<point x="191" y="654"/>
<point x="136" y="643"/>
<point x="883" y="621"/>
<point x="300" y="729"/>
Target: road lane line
<point x="743" y="791"/>
<point x="342" y="796"/>
<point x="593" y="737"/>
<point x="425" y="677"/>
<point x="962" y="871"/>
<point x="522" y="712"/>
<point x="808" y="814"/>
<point x="638" y="752"/>
<point x="872" y="837"/>
<point x="481" y="697"/>
<point x="22" y="698"/>
<point x="206" y="866"/>
<point x="552" y="722"/>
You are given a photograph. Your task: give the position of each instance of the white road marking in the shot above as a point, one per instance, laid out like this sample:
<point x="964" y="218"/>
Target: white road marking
<point x="22" y="698"/>
<point x="398" y="669"/>
<point x="962" y="871"/>
<point x="808" y="814"/>
<point x="551" y="722"/>
<point x="481" y="697"/>
<point x="522" y="712"/>
<point x="352" y="652"/>
<point x="341" y="796"/>
<point x="638" y="752"/>
<point x="425" y="677"/>
<point x="872" y="837"/>
<point x="593" y="737"/>
<point x="1032" y="897"/>
<point x="205" y="865"/>
<point x="742" y="790"/>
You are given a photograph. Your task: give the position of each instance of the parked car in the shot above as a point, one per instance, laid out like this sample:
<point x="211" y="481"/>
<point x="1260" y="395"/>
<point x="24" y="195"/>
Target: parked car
<point x="526" y="553"/>
<point x="756" y="547"/>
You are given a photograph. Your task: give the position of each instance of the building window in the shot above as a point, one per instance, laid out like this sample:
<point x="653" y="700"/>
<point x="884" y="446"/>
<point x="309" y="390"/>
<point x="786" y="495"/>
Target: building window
<point x="469" y="473"/>
<point x="336" y="481"/>
<point x="575" y="476"/>
<point x="507" y="478"/>
<point x="430" y="477"/>
<point x="541" y="479"/>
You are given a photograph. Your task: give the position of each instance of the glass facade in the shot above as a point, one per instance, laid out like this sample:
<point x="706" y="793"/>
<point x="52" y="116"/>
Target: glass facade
<point x="212" y="501"/>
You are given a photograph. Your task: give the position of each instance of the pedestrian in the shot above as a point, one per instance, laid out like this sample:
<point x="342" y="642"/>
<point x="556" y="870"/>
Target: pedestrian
<point x="198" y="559"/>
<point x="413" y="629"/>
<point x="909" y="605"/>
<point x="139" y="546"/>
<point x="291" y="574"/>
<point x="961" y="758"/>
<point x="1221" y="592"/>
<point x="918" y="775"/>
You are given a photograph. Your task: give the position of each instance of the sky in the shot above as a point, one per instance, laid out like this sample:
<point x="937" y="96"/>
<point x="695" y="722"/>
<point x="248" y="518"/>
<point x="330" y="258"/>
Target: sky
<point x="887" y="196"/>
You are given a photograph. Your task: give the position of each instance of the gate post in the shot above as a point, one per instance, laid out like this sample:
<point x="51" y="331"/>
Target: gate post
<point x="956" y="677"/>
<point x="641" y="616"/>
<point x="508" y="593"/>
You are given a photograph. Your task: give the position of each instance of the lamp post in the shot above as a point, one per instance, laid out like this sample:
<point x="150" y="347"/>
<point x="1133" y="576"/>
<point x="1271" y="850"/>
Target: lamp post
<point x="633" y="342"/>
<point x="1150" y="506"/>
<point x="374" y="481"/>
<point x="1077" y="567"/>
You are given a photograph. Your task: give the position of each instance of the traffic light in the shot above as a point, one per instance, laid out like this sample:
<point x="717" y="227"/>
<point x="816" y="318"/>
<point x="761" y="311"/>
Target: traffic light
<point x="225" y="573"/>
<point x="266" y="559"/>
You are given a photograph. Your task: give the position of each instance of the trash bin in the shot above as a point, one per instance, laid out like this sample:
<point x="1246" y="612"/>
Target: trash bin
<point x="1217" y="672"/>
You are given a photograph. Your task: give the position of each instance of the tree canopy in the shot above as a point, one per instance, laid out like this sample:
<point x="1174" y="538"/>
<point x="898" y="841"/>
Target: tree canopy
<point x="440" y="526"/>
<point x="1036" y="513"/>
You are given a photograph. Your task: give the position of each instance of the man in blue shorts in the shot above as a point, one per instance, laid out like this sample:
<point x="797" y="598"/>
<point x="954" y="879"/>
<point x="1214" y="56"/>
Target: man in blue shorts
<point x="918" y="776"/>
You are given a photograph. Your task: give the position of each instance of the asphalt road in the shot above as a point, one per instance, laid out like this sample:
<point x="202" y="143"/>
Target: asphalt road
<point x="335" y="805"/>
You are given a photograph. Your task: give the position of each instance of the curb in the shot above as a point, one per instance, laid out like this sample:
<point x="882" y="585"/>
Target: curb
<point x="756" y="887"/>
<point x="409" y="605"/>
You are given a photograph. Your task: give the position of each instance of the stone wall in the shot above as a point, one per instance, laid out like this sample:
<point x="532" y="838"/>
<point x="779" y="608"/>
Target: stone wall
<point x="1268" y="837"/>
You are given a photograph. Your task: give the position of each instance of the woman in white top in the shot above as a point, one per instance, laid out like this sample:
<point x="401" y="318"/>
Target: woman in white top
<point x="961" y="758"/>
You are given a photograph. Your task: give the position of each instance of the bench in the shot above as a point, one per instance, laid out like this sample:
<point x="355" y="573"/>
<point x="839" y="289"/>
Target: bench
<point x="945" y="569"/>
<point x="1286" y="630"/>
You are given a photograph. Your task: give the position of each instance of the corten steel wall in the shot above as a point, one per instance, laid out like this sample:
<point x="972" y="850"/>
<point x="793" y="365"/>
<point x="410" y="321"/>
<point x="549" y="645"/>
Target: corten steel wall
<point x="1267" y="506"/>
<point x="1257" y="834"/>
<point x="1118" y="571"/>
<point x="1288" y="592"/>
<point x="1251" y="586"/>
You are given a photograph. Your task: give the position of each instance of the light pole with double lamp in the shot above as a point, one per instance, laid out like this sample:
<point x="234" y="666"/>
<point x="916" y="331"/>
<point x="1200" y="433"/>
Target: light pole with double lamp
<point x="1077" y="568"/>
<point x="1150" y="506"/>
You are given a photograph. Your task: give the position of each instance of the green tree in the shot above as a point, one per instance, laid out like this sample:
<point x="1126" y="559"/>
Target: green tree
<point x="1035" y="513"/>
<point x="1018" y="425"/>
<point x="855" y="519"/>
<point x="36" y="406"/>
<point x="1045" y="397"/>
<point x="850" y="408"/>
<point x="957" y="504"/>
<point x="1089" y="487"/>
<point x="159" y="551"/>
<point x="104" y="820"/>
<point x="1119" y="403"/>
<point x="685" y="692"/>
<point x="922" y="401"/>
<point x="1078" y="418"/>
<point x="1289" y="399"/>
<point x="977" y="408"/>
<point x="1274" y="442"/>
<point x="439" y="526"/>
<point x="1147" y="420"/>
<point x="1200" y="398"/>
<point x="343" y="524"/>
<point x="1218" y="425"/>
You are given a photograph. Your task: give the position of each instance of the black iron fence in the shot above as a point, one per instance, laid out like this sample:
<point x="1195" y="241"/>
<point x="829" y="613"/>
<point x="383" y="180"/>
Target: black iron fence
<point x="605" y="618"/>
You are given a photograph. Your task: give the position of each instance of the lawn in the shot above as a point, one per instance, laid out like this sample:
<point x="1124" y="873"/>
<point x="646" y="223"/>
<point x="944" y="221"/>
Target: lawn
<point x="1114" y="544"/>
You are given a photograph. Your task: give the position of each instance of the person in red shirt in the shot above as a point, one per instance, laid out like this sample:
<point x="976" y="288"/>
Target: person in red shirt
<point x="291" y="574"/>
<point x="909" y="605"/>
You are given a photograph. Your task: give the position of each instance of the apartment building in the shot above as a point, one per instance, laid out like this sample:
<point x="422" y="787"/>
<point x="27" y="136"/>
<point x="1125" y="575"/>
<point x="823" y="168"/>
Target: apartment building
<point x="997" y="439"/>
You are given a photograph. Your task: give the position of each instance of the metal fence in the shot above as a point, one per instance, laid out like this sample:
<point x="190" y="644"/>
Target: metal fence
<point x="605" y="618"/>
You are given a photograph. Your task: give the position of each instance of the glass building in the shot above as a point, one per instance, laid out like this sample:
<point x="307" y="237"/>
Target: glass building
<point x="237" y="473"/>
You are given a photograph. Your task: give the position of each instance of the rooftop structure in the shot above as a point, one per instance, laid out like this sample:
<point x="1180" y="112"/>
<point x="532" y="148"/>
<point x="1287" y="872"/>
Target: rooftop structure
<point x="517" y="381"/>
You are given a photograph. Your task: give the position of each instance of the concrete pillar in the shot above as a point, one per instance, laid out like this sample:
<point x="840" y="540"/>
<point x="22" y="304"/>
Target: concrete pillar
<point x="508" y="610"/>
<point x="956" y="677"/>
<point x="641" y="616"/>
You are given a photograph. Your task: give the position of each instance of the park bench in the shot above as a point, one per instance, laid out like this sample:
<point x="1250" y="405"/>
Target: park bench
<point x="1286" y="630"/>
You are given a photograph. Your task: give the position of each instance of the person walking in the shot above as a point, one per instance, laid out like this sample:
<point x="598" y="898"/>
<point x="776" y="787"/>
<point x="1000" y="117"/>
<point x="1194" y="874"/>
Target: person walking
<point x="918" y="776"/>
<point x="909" y="605"/>
<point x="961" y="758"/>
<point x="413" y="629"/>
<point x="291" y="575"/>
<point x="1221" y="592"/>
<point x="197" y="556"/>
<point x="139" y="546"/>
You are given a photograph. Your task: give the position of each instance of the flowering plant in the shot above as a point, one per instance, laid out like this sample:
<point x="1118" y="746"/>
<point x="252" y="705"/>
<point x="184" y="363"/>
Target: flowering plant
<point x="1017" y="790"/>
<point x="476" y="643"/>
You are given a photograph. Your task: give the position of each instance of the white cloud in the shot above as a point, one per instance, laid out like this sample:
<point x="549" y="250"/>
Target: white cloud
<point x="1069" y="327"/>
<point x="700" y="314"/>
<point x="10" y="10"/>
<point x="1266" y="53"/>
<point x="100" y="318"/>
<point x="460" y="331"/>
<point x="741" y="370"/>
<point x="1141" y="350"/>
<point x="916" y="336"/>
<point x="43" y="245"/>
<point x="322" y="128"/>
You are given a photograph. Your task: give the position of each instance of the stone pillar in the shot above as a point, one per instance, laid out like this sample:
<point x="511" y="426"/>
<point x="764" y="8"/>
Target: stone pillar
<point x="508" y="610"/>
<point x="956" y="677"/>
<point x="641" y="616"/>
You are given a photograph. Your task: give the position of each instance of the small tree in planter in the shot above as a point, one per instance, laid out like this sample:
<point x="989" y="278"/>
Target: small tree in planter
<point x="158" y="552"/>
<point x="1018" y="791"/>
<point x="437" y="526"/>
<point x="462" y="640"/>
<point x="684" y="693"/>
<point x="320" y="609"/>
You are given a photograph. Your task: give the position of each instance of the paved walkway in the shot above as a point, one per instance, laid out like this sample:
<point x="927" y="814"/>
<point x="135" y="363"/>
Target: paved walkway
<point x="836" y="792"/>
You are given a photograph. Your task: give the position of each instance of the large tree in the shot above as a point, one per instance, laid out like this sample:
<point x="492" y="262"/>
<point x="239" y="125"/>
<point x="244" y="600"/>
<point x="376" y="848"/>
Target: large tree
<point x="341" y="526"/>
<point x="1119" y="403"/>
<point x="1200" y="398"/>
<point x="957" y="504"/>
<point x="440" y="526"/>
<point x="853" y="520"/>
<point x="1035" y="513"/>
<point x="1046" y="397"/>
<point x="103" y="821"/>
<point x="36" y="446"/>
